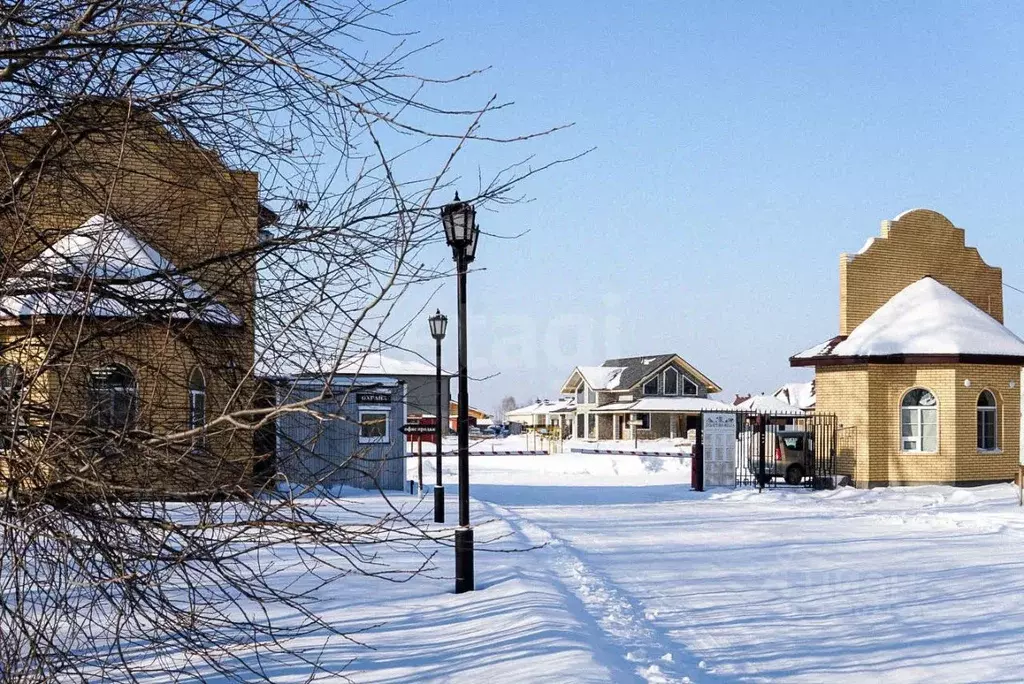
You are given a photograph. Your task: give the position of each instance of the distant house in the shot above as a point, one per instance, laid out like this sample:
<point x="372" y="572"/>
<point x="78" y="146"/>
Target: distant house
<point x="762" y="403"/>
<point x="476" y="416"/>
<point x="546" y="413"/>
<point x="798" y="394"/>
<point x="648" y="397"/>
<point x="740" y="398"/>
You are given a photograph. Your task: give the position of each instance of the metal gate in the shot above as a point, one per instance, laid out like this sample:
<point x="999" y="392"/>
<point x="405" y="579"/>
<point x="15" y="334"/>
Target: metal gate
<point x="766" y="450"/>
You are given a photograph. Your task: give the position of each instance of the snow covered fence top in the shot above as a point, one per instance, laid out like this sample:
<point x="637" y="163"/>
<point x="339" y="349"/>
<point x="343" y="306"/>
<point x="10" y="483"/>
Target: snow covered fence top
<point x="925" y="322"/>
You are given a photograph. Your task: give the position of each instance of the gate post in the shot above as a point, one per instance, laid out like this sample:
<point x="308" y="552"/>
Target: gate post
<point x="697" y="458"/>
<point x="761" y="459"/>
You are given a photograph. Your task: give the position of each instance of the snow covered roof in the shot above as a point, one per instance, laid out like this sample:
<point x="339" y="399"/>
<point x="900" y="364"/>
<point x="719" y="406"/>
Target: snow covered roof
<point x="544" y="406"/>
<point x="102" y="269"/>
<point x="799" y="394"/>
<point x="664" y="405"/>
<point x="762" y="403"/>
<point x="376" y="363"/>
<point x="601" y="377"/>
<point x="925" y="319"/>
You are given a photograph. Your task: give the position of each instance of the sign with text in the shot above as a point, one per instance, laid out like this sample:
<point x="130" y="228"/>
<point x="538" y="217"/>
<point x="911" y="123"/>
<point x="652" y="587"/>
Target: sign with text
<point x="719" y="437"/>
<point x="413" y="429"/>
<point x="373" y="397"/>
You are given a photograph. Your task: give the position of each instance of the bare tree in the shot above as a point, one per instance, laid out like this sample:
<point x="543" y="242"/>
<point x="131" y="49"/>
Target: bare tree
<point x="198" y="198"/>
<point x="507" y="404"/>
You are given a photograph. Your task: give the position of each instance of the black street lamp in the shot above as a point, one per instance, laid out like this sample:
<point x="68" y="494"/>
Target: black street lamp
<point x="438" y="325"/>
<point x="462" y="233"/>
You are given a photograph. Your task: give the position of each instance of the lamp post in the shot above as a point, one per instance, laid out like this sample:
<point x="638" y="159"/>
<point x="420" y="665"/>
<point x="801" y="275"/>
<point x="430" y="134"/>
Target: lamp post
<point x="438" y="325"/>
<point x="462" y="233"/>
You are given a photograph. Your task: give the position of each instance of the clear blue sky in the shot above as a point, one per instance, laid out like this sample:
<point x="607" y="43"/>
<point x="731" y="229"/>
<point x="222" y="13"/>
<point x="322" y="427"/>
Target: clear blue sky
<point x="740" y="148"/>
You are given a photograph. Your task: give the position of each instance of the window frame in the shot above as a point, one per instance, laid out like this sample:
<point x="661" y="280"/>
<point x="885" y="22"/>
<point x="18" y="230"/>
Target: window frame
<point x="696" y="387"/>
<point x="918" y="411"/>
<point x="374" y="439"/>
<point x="657" y="386"/>
<point x="993" y="411"/>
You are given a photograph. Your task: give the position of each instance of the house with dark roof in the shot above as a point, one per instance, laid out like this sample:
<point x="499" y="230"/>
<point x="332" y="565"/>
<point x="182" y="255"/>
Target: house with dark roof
<point x="646" y="397"/>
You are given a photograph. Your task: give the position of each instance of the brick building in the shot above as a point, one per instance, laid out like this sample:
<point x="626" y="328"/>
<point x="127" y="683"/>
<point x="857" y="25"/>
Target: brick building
<point x="923" y="376"/>
<point x="127" y="308"/>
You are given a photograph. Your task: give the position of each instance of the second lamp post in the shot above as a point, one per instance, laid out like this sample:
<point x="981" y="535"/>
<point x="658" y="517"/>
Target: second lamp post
<point x="461" y="232"/>
<point x="438" y="324"/>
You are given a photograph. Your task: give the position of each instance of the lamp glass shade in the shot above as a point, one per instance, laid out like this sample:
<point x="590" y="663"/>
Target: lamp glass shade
<point x="474" y="237"/>
<point x="438" y="325"/>
<point x="459" y="219"/>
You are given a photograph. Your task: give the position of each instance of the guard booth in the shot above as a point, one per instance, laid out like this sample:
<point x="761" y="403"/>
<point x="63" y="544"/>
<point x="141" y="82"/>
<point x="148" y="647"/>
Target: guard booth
<point x="751" y="449"/>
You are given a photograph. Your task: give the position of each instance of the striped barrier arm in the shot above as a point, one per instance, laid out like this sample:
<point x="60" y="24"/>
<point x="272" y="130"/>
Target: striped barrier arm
<point x="622" y="452"/>
<point x="485" y="453"/>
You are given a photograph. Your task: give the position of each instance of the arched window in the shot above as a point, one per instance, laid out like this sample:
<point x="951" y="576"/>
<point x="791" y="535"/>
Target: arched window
<point x="113" y="397"/>
<point x="919" y="421"/>
<point x="196" y="400"/>
<point x="987" y="440"/>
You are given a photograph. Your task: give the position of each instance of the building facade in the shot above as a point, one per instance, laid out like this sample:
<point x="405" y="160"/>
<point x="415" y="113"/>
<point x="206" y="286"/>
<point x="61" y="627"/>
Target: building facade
<point x="923" y="376"/>
<point x="642" y="397"/>
<point x="127" y="312"/>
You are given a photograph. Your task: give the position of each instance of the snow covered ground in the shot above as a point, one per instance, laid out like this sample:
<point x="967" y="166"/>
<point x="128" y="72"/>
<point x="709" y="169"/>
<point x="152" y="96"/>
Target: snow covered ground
<point x="635" y="578"/>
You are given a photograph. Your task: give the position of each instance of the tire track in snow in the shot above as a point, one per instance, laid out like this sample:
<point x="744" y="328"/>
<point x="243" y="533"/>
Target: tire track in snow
<point x="645" y="648"/>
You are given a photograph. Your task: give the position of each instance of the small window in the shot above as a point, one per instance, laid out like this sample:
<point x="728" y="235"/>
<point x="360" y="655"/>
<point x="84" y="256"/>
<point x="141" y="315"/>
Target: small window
<point x="113" y="398"/>
<point x="689" y="387"/>
<point x="651" y="386"/>
<point x="919" y="422"/>
<point x="581" y="394"/>
<point x="987" y="439"/>
<point x="671" y="381"/>
<point x="645" y="420"/>
<point x="591" y="396"/>
<point x="197" y="403"/>
<point x="373" y="427"/>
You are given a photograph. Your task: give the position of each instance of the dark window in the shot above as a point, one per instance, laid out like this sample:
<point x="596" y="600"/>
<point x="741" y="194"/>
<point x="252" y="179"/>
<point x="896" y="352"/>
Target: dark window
<point x="113" y="398"/>
<point x="651" y="386"/>
<point x="671" y="381"/>
<point x="645" y="421"/>
<point x="987" y="440"/>
<point x="689" y="387"/>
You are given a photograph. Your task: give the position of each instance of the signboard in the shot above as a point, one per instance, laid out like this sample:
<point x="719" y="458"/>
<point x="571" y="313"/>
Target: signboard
<point x="719" y="437"/>
<point x="373" y="397"/>
<point x="412" y="429"/>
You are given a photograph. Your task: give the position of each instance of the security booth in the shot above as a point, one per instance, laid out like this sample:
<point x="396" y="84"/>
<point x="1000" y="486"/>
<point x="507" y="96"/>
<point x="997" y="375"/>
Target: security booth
<point x="349" y="432"/>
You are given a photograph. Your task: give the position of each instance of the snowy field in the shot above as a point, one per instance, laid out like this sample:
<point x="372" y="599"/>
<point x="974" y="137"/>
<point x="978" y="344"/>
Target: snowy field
<point x="638" y="579"/>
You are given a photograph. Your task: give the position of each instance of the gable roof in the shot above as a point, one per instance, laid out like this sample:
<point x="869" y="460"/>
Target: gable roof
<point x="103" y="270"/>
<point x="926" y="322"/>
<point x="639" y="368"/>
<point x="626" y="373"/>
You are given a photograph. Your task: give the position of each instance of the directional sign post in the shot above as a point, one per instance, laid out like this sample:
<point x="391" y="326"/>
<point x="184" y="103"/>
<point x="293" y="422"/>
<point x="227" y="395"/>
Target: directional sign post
<point x="413" y="429"/>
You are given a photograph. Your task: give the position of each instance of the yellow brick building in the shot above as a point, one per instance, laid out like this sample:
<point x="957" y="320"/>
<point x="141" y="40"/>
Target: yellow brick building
<point x="127" y="302"/>
<point x="923" y="376"/>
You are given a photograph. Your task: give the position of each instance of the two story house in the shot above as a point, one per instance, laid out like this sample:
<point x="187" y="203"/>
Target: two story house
<point x="647" y="397"/>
